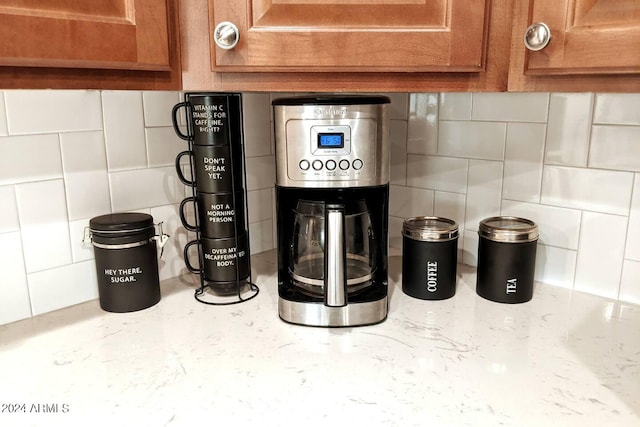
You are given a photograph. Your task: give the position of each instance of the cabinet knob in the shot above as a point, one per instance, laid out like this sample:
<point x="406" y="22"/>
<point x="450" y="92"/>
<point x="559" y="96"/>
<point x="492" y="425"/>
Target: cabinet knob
<point x="537" y="36"/>
<point x="226" y="35"/>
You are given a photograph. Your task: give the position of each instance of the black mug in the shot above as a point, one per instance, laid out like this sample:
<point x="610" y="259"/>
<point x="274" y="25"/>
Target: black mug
<point x="219" y="215"/>
<point x="218" y="169"/>
<point x="224" y="260"/>
<point x="212" y="119"/>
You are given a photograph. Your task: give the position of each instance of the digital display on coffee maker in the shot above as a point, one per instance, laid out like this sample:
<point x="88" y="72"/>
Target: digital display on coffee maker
<point x="330" y="140"/>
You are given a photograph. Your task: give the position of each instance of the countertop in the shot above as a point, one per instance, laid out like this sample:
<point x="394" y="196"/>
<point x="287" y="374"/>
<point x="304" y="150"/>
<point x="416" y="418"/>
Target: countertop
<point x="564" y="357"/>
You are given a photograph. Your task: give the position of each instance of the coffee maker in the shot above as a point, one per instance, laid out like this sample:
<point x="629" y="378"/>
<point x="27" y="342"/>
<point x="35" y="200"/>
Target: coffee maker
<point x="332" y="197"/>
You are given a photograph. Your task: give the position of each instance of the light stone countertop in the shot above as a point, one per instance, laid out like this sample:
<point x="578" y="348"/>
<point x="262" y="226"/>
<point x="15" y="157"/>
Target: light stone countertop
<point x="564" y="358"/>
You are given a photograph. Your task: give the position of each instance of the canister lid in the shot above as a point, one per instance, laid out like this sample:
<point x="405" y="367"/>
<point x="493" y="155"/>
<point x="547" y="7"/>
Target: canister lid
<point x="429" y="228"/>
<point x="121" y="222"/>
<point x="508" y="229"/>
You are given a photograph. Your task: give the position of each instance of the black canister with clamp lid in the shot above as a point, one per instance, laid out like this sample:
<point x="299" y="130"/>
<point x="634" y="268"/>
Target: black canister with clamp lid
<point x="126" y="260"/>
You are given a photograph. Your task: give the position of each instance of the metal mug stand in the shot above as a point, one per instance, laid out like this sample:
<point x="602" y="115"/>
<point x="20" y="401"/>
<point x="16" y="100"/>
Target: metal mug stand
<point x="245" y="288"/>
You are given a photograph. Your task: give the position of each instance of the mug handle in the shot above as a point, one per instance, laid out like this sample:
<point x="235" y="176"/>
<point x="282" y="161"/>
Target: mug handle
<point x="183" y="217"/>
<point x="181" y="177"/>
<point x="174" y="119"/>
<point x="186" y="257"/>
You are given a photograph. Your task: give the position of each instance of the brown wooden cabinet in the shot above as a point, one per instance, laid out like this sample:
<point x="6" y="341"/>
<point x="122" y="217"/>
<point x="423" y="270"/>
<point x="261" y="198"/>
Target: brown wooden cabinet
<point x="354" y="45"/>
<point x="97" y="44"/>
<point x="594" y="46"/>
<point x="352" y="36"/>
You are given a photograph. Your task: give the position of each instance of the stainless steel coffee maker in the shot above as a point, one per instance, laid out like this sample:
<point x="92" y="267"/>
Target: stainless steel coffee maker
<point x="332" y="195"/>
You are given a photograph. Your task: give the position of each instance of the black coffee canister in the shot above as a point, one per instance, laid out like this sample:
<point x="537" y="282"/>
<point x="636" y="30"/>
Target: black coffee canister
<point x="126" y="261"/>
<point x="429" y="257"/>
<point x="506" y="259"/>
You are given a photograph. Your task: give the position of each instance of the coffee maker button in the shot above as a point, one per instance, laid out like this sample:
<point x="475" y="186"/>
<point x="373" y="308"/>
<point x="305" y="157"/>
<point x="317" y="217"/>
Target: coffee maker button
<point x="330" y="165"/>
<point x="304" y="165"/>
<point x="317" y="165"/>
<point x="357" y="164"/>
<point x="344" y="164"/>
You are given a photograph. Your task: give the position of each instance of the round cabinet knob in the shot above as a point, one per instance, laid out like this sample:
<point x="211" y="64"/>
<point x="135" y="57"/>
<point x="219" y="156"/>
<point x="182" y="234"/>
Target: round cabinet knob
<point x="537" y="36"/>
<point x="226" y="35"/>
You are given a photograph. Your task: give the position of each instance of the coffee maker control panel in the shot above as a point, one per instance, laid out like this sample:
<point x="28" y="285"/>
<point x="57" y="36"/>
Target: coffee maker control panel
<point x="337" y="151"/>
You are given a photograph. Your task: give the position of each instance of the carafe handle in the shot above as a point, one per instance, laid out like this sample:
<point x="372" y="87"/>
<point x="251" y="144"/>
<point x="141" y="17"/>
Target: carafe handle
<point x="335" y="274"/>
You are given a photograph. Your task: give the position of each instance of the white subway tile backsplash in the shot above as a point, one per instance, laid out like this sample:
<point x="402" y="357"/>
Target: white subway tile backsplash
<point x="617" y="108"/>
<point x="476" y="140"/>
<point x="260" y="205"/>
<point x="407" y="202"/>
<point x="49" y="111"/>
<point x="569" y="128"/>
<point x="455" y="106"/>
<point x="85" y="174"/>
<point x="4" y="131"/>
<point x="510" y="107"/>
<point x="170" y="264"/>
<point x="157" y="108"/>
<point x="469" y="242"/>
<point x="633" y="233"/>
<point x="615" y="147"/>
<point x="555" y="266"/>
<point x="80" y="250"/>
<point x="398" y="155"/>
<point x="163" y="146"/>
<point x="630" y="282"/>
<point x="450" y="205"/>
<point x="62" y="287"/>
<point x="261" y="236"/>
<point x="46" y="246"/>
<point x="437" y="173"/>
<point x="29" y="158"/>
<point x="600" y="254"/>
<point x="124" y="130"/>
<point x="142" y="188"/>
<point x="588" y="189"/>
<point x="14" y="300"/>
<point x="9" y="212"/>
<point x="422" y="127"/>
<point x="41" y="202"/>
<point x="557" y="227"/>
<point x="398" y="109"/>
<point x="523" y="161"/>
<point x="44" y="224"/>
<point x="261" y="172"/>
<point x="395" y="232"/>
<point x="484" y="192"/>
<point x="257" y="124"/>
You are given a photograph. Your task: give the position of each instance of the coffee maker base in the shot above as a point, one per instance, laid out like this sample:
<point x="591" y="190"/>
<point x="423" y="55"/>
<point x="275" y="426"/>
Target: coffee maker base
<point x="354" y="314"/>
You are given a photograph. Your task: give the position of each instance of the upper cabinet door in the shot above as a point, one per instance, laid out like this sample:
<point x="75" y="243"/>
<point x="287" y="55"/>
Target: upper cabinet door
<point x="587" y="37"/>
<point x="97" y="34"/>
<point x="352" y="35"/>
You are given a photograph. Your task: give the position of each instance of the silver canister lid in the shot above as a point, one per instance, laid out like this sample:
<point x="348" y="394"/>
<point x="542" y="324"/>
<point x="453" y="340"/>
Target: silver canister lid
<point x="430" y="228"/>
<point x="508" y="229"/>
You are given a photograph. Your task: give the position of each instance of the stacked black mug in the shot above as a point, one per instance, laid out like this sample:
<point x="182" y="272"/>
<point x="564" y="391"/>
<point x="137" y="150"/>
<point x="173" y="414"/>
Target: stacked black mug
<point x="216" y="159"/>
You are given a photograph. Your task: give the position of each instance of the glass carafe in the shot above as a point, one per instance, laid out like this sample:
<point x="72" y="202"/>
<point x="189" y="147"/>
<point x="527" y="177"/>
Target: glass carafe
<point x="312" y="260"/>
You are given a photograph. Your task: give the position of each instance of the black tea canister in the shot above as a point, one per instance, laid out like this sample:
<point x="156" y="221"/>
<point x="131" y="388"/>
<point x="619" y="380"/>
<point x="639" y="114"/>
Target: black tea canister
<point x="429" y="257"/>
<point x="126" y="261"/>
<point x="506" y="259"/>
